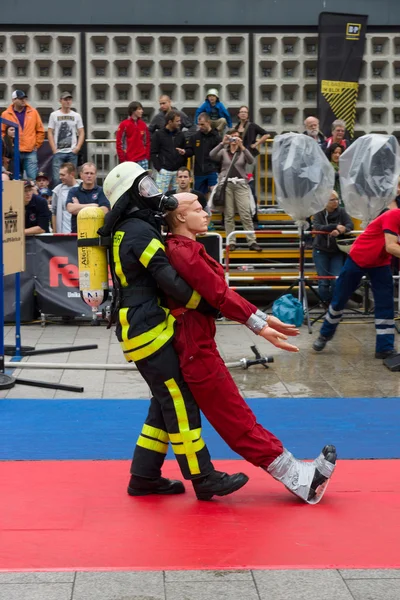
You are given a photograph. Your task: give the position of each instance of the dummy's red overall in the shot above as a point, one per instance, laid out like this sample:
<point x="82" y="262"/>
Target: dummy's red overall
<point x="202" y="367"/>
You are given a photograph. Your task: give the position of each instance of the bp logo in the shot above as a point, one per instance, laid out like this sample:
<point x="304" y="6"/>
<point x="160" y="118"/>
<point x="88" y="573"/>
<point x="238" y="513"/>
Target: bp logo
<point x="353" y="31"/>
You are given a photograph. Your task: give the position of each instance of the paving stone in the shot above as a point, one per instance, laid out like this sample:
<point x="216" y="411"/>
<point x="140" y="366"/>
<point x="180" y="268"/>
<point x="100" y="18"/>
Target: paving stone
<point x="225" y="590"/>
<point x="374" y="589"/>
<point x="45" y="577"/>
<point x="370" y="573"/>
<point x="138" y="585"/>
<point x="212" y="576"/>
<point x="301" y="585"/>
<point x="36" y="591"/>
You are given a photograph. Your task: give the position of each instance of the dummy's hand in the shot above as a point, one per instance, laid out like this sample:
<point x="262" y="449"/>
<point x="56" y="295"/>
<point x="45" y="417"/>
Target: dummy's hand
<point x="284" y="328"/>
<point x="277" y="339"/>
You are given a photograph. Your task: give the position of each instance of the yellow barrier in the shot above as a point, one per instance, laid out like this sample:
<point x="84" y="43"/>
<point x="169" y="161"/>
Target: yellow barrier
<point x="268" y="179"/>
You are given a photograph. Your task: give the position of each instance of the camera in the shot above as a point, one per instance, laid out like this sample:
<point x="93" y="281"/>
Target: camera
<point x="232" y="139"/>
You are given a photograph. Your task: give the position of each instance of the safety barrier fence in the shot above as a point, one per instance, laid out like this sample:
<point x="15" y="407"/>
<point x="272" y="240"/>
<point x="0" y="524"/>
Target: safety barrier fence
<point x="50" y="283"/>
<point x="279" y="280"/>
<point x="103" y="153"/>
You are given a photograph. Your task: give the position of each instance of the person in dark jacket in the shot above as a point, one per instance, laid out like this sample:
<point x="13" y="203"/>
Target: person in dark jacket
<point x="8" y="149"/>
<point x="328" y="258"/>
<point x="333" y="154"/>
<point x="158" y="122"/>
<point x="168" y="151"/>
<point x="37" y="213"/>
<point x="200" y="145"/>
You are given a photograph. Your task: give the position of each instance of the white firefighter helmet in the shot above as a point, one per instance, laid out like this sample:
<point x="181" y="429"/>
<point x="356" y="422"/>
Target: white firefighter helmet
<point x="121" y="179"/>
<point x="212" y="92"/>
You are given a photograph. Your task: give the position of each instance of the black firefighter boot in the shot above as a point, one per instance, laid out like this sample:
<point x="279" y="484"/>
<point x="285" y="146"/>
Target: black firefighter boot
<point x="218" y="484"/>
<point x="141" y="486"/>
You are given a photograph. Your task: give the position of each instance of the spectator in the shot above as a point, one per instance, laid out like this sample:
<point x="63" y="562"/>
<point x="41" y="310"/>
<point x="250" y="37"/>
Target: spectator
<point x="312" y="129"/>
<point x="338" y="133"/>
<point x="200" y="145"/>
<point x="86" y="194"/>
<point x="66" y="135"/>
<point x="42" y="181"/>
<point x="47" y="194"/>
<point x="4" y="175"/>
<point x="158" y="122"/>
<point x="333" y="153"/>
<point x="31" y="131"/>
<point x="61" y="217"/>
<point x="133" y="137"/>
<point x="37" y="214"/>
<point x="8" y="149"/>
<point x="184" y="180"/>
<point x="249" y="132"/>
<point x="219" y="115"/>
<point x="168" y="151"/>
<point x="237" y="192"/>
<point x="327" y="257"/>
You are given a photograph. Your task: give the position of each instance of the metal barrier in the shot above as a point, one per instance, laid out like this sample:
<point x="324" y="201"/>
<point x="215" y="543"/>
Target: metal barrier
<point x="102" y="152"/>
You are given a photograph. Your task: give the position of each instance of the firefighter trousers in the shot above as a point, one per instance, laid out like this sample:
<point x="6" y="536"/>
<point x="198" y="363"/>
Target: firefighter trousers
<point x="217" y="394"/>
<point x="173" y="417"/>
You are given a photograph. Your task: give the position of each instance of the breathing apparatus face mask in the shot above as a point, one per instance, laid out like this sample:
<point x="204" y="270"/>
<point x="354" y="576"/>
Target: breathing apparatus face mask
<point x="152" y="197"/>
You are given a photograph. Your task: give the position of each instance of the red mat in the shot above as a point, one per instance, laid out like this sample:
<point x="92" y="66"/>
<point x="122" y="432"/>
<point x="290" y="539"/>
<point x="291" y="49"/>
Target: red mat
<point x="77" y="516"/>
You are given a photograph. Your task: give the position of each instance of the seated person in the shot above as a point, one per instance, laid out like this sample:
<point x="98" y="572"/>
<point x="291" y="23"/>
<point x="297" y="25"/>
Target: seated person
<point x="327" y="257"/>
<point x="37" y="213"/>
<point x="219" y="115"/>
<point x="206" y="373"/>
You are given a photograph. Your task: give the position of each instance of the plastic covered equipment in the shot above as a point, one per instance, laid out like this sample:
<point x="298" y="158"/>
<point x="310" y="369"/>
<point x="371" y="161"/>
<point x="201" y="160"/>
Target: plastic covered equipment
<point x="304" y="178"/>
<point x="369" y="171"/>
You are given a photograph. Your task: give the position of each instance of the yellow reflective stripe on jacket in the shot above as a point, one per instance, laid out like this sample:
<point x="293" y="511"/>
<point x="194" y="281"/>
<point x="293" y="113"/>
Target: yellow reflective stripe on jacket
<point x="150" y="251"/>
<point x="123" y="319"/>
<point x="148" y="336"/>
<point x="154" y="346"/>
<point x="194" y="300"/>
<point x="184" y="429"/>
<point x="157" y="434"/>
<point x="117" y="239"/>
<point x="152" y="445"/>
<point x="180" y="448"/>
<point x="176" y="438"/>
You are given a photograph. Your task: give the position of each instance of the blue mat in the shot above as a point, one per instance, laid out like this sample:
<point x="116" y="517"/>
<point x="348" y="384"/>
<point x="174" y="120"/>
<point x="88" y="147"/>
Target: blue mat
<point x="108" y="429"/>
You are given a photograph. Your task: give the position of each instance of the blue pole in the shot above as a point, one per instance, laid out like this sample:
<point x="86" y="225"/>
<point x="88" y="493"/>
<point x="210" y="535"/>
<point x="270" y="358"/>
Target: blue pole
<point x="1" y="264"/>
<point x="17" y="355"/>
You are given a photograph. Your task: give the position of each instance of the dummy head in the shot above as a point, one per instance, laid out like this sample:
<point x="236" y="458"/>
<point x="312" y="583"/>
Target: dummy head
<point x="189" y="218"/>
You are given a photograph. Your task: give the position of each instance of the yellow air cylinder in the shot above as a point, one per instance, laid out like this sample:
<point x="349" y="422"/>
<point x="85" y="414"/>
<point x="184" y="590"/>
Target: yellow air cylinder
<point x="92" y="259"/>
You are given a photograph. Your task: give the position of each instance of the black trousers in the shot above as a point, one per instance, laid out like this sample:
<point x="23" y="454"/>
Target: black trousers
<point x="173" y="417"/>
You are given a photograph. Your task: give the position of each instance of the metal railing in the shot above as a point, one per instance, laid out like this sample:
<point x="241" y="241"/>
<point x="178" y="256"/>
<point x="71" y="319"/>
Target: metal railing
<point x="102" y="152"/>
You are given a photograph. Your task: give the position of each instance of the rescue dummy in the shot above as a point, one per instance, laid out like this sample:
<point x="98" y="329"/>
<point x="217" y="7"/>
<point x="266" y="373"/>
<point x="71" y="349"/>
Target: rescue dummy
<point x="205" y="372"/>
<point x="145" y="328"/>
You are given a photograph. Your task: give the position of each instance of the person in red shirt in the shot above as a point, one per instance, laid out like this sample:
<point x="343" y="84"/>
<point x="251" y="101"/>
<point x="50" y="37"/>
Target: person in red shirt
<point x="205" y="372"/>
<point x="370" y="254"/>
<point x="133" y="137"/>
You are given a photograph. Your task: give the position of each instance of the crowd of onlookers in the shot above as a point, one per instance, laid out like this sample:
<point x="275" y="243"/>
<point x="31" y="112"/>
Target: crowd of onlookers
<point x="224" y="158"/>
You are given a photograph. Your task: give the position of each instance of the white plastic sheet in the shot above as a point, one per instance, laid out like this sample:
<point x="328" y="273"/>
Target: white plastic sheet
<point x="304" y="178"/>
<point x="369" y="170"/>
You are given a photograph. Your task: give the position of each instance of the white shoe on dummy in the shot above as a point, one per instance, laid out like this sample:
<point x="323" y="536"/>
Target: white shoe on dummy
<point x="307" y="480"/>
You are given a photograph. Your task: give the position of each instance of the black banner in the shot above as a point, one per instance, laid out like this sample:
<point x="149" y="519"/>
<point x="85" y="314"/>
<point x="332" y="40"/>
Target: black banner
<point x="50" y="283"/>
<point x="341" y="44"/>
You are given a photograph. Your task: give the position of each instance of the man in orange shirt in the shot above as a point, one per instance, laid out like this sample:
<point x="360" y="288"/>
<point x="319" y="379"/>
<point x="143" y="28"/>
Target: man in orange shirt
<point x="31" y="131"/>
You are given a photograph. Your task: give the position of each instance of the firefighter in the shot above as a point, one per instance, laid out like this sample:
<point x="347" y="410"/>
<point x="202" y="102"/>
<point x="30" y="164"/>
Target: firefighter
<point x="205" y="372"/>
<point x="145" y="329"/>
